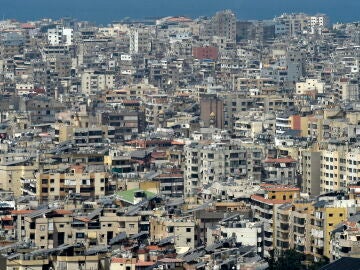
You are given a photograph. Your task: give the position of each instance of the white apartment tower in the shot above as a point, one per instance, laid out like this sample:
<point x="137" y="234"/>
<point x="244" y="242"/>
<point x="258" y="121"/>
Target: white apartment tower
<point x="60" y="36"/>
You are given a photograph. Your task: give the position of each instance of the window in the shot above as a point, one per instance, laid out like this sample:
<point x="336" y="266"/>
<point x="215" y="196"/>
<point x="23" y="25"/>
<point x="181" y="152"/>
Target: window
<point x="188" y="229"/>
<point x="188" y="240"/>
<point x="80" y="235"/>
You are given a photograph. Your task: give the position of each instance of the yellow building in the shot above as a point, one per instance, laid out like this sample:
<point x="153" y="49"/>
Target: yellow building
<point x="280" y="192"/>
<point x="323" y="220"/>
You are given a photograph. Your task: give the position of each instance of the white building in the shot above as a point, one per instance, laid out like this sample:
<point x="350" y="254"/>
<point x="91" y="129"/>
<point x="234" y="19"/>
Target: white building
<point x="139" y="40"/>
<point x="60" y="36"/>
<point x="308" y="86"/>
<point x="93" y="81"/>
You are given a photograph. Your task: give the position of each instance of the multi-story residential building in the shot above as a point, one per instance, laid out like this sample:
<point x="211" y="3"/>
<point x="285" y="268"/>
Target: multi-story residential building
<point x="310" y="172"/>
<point x="60" y="35"/>
<point x="347" y="90"/>
<point x="325" y="217"/>
<point x="126" y="124"/>
<point x="181" y="231"/>
<point x="223" y="24"/>
<point x="212" y="111"/>
<point x="265" y="211"/>
<point x="84" y="136"/>
<point x="329" y="170"/>
<point x="140" y="40"/>
<point x="271" y="210"/>
<point x="170" y="184"/>
<point x="88" y="182"/>
<point x="345" y="239"/>
<point x="281" y="170"/>
<point x="206" y="163"/>
<point x="94" y="81"/>
<point x="299" y="226"/>
<point x="292" y="24"/>
<point x="51" y="228"/>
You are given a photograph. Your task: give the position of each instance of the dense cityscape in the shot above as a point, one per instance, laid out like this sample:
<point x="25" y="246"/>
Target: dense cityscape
<point x="180" y="143"/>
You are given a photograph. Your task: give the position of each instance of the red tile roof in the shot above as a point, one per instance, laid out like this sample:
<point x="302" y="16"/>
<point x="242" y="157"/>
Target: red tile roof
<point x="63" y="212"/>
<point x="177" y="143"/>
<point x="123" y="260"/>
<point x="151" y="248"/>
<point x="21" y="212"/>
<point x="143" y="263"/>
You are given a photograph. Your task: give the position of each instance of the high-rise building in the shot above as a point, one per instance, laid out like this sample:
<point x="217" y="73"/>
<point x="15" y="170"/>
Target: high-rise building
<point x="224" y="24"/>
<point x="212" y="111"/>
<point x="60" y="35"/>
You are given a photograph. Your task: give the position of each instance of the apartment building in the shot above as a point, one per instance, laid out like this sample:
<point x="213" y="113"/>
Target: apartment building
<point x="126" y="124"/>
<point x="180" y="231"/>
<point x="329" y="170"/>
<point x="345" y="239"/>
<point x="223" y="24"/>
<point x="94" y="81"/>
<point x="310" y="171"/>
<point x="265" y="211"/>
<point x="299" y="226"/>
<point x="60" y="35"/>
<point x="207" y="163"/>
<point x="139" y="40"/>
<point x="51" y="228"/>
<point x="87" y="182"/>
<point x="281" y="170"/>
<point x="325" y="217"/>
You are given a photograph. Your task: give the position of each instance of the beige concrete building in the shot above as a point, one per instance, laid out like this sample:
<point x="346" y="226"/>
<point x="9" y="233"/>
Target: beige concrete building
<point x="49" y="228"/>
<point x="94" y="81"/>
<point x="54" y="185"/>
<point x="182" y="230"/>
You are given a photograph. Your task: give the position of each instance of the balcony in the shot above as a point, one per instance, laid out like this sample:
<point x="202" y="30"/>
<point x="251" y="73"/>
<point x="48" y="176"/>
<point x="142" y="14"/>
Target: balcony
<point x="283" y="227"/>
<point x="268" y="238"/>
<point x="346" y="243"/>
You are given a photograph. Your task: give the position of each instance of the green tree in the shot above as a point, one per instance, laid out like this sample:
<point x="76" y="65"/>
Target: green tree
<point x="289" y="259"/>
